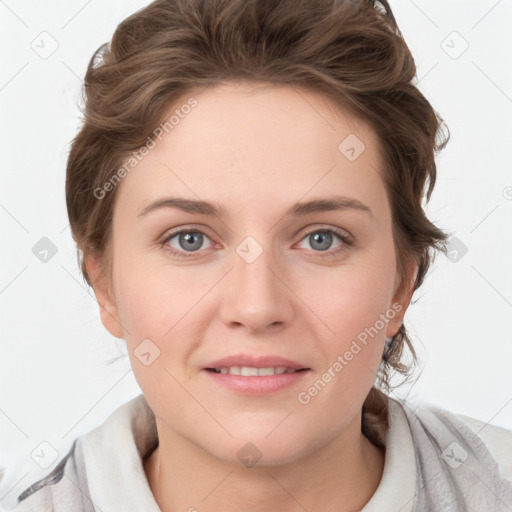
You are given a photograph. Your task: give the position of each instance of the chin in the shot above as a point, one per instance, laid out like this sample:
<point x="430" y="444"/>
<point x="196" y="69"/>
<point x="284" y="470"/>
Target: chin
<point x="253" y="449"/>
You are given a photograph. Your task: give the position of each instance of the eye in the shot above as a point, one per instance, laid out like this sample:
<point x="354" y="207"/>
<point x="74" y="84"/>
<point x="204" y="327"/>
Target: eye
<point x="179" y="243"/>
<point x="321" y="240"/>
<point x="185" y="242"/>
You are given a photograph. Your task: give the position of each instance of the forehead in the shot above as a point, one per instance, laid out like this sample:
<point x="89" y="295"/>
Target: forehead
<point x="263" y="143"/>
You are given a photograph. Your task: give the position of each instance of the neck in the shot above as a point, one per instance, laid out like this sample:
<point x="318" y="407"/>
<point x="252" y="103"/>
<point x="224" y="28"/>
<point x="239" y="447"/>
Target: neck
<point x="341" y="476"/>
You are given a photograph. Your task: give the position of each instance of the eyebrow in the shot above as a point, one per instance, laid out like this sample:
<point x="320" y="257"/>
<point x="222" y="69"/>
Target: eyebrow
<point x="333" y="203"/>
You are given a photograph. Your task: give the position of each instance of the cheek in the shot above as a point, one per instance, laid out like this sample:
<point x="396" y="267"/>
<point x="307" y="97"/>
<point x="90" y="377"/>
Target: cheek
<point x="164" y="306"/>
<point x="354" y="303"/>
<point x="150" y="309"/>
<point x="350" y="299"/>
<point x="151" y="299"/>
<point x="355" y="306"/>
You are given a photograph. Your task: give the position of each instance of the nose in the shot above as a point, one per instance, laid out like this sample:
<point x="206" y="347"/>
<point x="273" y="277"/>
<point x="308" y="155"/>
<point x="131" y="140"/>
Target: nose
<point x="256" y="293"/>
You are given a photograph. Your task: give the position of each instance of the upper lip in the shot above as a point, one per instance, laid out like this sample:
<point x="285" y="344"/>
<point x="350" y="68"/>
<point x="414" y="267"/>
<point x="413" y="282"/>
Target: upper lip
<point x="255" y="361"/>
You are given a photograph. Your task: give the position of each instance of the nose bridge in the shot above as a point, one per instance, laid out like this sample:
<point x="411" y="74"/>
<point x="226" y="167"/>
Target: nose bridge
<point x="257" y="297"/>
<point x="253" y="262"/>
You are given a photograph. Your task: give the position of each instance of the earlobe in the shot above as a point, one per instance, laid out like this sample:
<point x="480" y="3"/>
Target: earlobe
<point x="102" y="290"/>
<point x="401" y="300"/>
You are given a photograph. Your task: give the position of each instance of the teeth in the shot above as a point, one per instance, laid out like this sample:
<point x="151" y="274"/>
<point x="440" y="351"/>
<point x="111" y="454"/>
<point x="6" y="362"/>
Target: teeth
<point x="249" y="371"/>
<point x="267" y="371"/>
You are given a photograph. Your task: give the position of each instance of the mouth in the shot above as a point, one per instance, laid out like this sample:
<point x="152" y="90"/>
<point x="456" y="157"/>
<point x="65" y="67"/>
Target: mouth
<point x="249" y="371"/>
<point x="249" y="380"/>
<point x="255" y="374"/>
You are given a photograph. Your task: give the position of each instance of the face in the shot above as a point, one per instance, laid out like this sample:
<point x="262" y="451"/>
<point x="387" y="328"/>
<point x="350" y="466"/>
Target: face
<point x="316" y="286"/>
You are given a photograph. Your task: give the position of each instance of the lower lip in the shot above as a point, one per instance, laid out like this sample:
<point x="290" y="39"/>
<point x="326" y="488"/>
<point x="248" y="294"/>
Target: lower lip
<point x="257" y="385"/>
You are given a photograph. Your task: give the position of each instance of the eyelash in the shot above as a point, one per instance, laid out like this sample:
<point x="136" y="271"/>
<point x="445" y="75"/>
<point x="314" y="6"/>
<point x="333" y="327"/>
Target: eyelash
<point x="347" y="242"/>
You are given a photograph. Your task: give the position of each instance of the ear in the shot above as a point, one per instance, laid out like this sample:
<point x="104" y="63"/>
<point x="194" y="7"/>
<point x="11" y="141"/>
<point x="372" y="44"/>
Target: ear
<point x="102" y="289"/>
<point x="402" y="298"/>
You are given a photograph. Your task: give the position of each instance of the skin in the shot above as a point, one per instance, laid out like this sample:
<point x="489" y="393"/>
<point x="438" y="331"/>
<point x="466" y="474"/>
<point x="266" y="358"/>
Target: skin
<point x="255" y="150"/>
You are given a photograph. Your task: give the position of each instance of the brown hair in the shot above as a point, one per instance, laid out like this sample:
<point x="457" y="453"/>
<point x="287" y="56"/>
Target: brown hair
<point x="350" y="51"/>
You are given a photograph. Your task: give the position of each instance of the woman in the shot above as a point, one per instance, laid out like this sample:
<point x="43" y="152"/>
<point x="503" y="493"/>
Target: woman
<point x="246" y="197"/>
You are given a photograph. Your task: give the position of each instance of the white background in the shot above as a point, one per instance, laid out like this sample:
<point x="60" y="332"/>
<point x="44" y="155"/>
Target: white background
<point x="55" y="383"/>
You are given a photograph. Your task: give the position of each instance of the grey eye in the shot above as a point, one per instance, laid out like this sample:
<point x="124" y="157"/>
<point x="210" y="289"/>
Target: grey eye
<point x="187" y="240"/>
<point x="320" y="240"/>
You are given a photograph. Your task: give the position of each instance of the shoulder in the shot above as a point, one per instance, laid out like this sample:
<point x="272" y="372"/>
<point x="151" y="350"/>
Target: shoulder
<point x="58" y="491"/>
<point x="461" y="462"/>
<point x="94" y="458"/>
<point x="498" y="441"/>
<point x="490" y="443"/>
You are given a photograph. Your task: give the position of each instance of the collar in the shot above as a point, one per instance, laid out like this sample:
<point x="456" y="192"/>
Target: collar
<point x="397" y="487"/>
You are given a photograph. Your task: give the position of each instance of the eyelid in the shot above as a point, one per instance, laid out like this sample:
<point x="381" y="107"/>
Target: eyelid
<point x="201" y="228"/>
<point x="186" y="227"/>
<point x="342" y="233"/>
